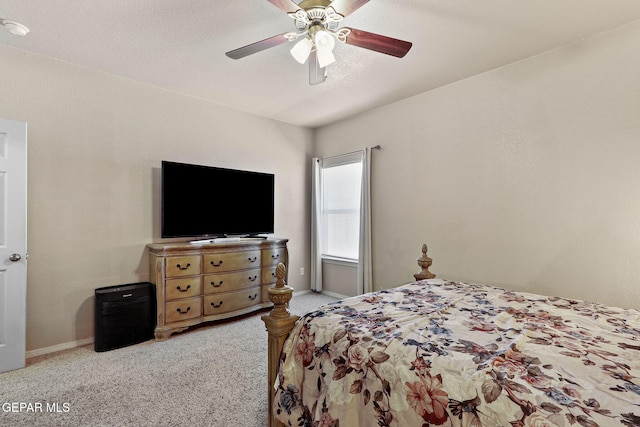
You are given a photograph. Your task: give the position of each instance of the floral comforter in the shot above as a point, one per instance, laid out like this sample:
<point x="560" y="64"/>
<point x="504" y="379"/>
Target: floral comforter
<point x="442" y="353"/>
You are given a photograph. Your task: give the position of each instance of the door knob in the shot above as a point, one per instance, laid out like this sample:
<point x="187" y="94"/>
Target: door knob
<point x="15" y="257"/>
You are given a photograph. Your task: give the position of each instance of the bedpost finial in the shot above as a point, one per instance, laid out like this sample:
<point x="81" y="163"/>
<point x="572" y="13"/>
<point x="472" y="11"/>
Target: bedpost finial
<point x="281" y="272"/>
<point x="280" y="294"/>
<point x="424" y="262"/>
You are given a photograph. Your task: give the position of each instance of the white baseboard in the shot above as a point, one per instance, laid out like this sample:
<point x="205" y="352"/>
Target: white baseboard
<point x="335" y="295"/>
<point x="58" y="347"/>
<point x="328" y="293"/>
<point x="79" y="343"/>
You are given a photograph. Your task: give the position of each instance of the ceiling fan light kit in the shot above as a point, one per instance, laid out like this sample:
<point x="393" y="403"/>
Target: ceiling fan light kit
<point x="301" y="50"/>
<point x="316" y="23"/>
<point x="14" y="27"/>
<point x="324" y="43"/>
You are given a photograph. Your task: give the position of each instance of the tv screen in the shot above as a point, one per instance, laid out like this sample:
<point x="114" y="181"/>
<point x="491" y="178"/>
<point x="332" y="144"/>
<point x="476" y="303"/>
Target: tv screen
<point x="205" y="201"/>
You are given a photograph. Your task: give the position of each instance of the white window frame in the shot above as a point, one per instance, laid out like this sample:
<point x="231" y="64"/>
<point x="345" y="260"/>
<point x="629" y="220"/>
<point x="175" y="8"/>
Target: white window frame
<point x="327" y="163"/>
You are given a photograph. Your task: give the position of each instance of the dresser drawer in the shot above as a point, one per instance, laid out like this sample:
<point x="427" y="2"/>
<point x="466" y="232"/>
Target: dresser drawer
<point x="183" y="309"/>
<point x="182" y="266"/>
<point x="221" y="303"/>
<point x="227" y="282"/>
<point x="269" y="275"/>
<point x="182" y="288"/>
<point x="274" y="256"/>
<point x="230" y="261"/>
<point x="265" y="293"/>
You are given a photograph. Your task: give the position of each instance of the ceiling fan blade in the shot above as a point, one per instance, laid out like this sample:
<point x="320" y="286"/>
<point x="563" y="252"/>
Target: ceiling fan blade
<point x="288" y="6"/>
<point x="347" y="7"/>
<point x="317" y="74"/>
<point x="383" y="44"/>
<point x="257" y="46"/>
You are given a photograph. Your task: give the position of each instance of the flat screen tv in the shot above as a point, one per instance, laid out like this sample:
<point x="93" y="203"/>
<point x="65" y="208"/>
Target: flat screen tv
<point x="206" y="201"/>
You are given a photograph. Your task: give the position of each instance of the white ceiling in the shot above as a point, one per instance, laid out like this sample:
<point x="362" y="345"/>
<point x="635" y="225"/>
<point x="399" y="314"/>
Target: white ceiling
<point x="180" y="45"/>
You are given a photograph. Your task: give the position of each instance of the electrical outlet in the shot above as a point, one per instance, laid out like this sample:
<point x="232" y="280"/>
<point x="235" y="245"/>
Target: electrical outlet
<point x="302" y="271"/>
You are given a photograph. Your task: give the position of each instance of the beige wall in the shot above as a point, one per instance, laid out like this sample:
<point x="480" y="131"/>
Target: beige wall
<point x="527" y="176"/>
<point x="339" y="279"/>
<point x="95" y="143"/>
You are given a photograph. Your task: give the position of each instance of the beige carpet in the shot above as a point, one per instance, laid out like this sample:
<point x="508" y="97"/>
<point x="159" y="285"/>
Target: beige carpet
<point x="211" y="376"/>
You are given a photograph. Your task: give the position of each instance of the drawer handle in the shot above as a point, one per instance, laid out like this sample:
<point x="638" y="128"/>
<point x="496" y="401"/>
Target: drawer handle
<point x="276" y="256"/>
<point x="252" y="259"/>
<point x="183" y="268"/>
<point x="217" y="305"/>
<point x="179" y="310"/>
<point x="253" y="297"/>
<point x="183" y="290"/>
<point x="216" y="265"/>
<point x="217" y="285"/>
<point x="253" y="279"/>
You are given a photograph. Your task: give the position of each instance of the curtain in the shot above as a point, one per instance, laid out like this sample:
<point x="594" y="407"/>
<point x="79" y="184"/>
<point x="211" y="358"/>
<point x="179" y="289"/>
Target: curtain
<point x="316" y="254"/>
<point x="365" y="282"/>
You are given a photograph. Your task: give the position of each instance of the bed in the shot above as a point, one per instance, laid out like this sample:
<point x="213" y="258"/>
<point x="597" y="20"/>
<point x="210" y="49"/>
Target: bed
<point x="436" y="352"/>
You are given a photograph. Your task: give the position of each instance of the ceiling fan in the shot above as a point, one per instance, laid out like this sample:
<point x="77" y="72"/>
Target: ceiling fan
<point x="317" y="23"/>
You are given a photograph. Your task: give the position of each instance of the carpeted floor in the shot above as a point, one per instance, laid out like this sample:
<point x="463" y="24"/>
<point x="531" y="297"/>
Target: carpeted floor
<point x="214" y="375"/>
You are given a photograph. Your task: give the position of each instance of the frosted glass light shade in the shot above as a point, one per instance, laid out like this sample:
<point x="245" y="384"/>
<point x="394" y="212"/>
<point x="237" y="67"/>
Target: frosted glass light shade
<point x="324" y="46"/>
<point x="300" y="51"/>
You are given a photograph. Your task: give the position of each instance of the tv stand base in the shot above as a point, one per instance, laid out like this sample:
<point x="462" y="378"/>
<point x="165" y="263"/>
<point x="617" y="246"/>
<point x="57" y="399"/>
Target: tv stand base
<point x="209" y="281"/>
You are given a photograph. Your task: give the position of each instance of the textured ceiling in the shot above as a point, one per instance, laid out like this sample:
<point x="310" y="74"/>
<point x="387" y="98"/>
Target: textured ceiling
<point x="180" y="46"/>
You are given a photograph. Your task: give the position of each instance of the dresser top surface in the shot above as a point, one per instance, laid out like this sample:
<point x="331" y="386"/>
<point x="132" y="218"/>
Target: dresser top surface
<point x="244" y="243"/>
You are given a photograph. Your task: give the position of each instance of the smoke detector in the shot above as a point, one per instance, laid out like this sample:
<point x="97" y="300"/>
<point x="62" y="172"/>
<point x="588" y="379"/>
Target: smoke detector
<point x="14" y="27"/>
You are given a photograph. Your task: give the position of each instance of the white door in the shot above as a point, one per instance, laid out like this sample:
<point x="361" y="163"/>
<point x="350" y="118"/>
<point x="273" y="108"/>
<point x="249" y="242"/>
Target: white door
<point x="13" y="244"/>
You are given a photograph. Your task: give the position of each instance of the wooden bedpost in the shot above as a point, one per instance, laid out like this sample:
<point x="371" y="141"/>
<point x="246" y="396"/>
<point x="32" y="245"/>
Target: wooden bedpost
<point x="424" y="262"/>
<point x="279" y="323"/>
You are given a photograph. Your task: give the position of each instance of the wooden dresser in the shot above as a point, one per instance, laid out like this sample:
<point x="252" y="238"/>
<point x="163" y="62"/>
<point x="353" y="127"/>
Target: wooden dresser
<point x="204" y="282"/>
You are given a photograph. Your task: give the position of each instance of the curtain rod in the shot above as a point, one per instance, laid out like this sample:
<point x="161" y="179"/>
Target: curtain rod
<point x="375" y="147"/>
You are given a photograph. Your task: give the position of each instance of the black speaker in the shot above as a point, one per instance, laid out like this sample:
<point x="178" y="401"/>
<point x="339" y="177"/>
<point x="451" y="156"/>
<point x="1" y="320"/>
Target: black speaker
<point x="124" y="315"/>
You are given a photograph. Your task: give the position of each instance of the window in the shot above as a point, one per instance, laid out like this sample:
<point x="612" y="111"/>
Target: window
<point x="340" y="207"/>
